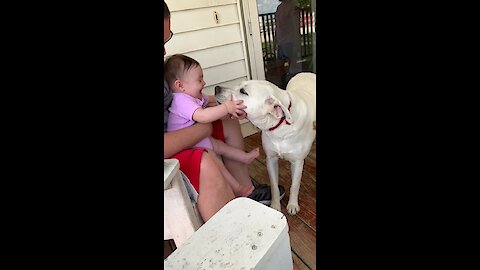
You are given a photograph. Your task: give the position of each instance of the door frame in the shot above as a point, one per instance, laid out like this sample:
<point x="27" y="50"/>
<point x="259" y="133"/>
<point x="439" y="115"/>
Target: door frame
<point x="254" y="53"/>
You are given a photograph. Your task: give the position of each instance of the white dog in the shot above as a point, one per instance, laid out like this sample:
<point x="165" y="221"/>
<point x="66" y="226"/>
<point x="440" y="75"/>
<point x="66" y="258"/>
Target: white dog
<point x="287" y="120"/>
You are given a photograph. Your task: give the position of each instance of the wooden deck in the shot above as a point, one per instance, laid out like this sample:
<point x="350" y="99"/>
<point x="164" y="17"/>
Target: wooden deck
<point x="302" y="227"/>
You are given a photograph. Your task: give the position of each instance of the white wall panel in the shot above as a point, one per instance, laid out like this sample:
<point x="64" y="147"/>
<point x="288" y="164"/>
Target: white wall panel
<point x="204" y="18"/>
<point x="218" y="55"/>
<point x="175" y="5"/>
<point x="203" y="39"/>
<point x="222" y="73"/>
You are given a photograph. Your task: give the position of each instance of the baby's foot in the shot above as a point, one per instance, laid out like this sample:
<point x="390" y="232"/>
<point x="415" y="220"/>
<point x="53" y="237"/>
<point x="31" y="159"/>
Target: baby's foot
<point x="249" y="157"/>
<point x="244" y="191"/>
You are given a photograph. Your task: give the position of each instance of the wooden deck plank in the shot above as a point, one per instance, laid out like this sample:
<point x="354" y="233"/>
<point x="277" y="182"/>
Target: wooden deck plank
<point x="308" y="190"/>
<point x="298" y="264"/>
<point x="302" y="240"/>
<point x="302" y="227"/>
<point x="307" y="200"/>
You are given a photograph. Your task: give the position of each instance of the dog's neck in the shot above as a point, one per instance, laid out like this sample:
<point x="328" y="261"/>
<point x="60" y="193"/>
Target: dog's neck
<point x="284" y="97"/>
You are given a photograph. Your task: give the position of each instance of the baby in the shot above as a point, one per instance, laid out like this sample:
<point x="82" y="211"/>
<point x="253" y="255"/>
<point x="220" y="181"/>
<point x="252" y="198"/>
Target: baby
<point x="184" y="77"/>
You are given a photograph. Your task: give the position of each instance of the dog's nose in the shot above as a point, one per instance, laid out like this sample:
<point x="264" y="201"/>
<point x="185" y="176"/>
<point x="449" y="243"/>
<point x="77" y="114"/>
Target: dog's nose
<point x="218" y="89"/>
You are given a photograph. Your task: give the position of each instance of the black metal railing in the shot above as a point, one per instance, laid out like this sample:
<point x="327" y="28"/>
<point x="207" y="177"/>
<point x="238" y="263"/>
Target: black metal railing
<point x="307" y="28"/>
<point x="267" y="33"/>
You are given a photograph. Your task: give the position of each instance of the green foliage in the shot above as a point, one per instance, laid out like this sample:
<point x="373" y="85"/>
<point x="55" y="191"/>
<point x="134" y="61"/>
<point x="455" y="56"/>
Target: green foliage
<point x="304" y="3"/>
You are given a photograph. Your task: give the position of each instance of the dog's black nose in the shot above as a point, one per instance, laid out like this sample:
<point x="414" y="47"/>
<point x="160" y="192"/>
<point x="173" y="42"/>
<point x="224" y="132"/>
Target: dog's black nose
<point x="218" y="89"/>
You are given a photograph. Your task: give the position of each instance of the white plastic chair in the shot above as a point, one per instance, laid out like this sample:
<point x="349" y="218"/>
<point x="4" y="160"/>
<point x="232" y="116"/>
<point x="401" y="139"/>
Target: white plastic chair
<point x="244" y="234"/>
<point x="180" y="216"/>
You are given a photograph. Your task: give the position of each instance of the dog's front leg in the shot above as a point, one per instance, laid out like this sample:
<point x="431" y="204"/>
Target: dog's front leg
<point x="272" y="168"/>
<point x="297" y="169"/>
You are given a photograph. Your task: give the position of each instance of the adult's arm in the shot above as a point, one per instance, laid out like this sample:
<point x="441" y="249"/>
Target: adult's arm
<point x="179" y="140"/>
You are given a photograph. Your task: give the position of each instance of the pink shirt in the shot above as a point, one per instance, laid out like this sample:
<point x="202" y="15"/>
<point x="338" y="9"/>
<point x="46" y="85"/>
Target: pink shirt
<point x="181" y="114"/>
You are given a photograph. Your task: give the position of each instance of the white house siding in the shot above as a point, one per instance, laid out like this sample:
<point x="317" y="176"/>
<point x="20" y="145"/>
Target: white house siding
<point x="218" y="47"/>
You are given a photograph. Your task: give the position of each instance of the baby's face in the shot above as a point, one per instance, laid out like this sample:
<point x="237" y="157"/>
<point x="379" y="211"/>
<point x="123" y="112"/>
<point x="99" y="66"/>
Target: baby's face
<point x="193" y="82"/>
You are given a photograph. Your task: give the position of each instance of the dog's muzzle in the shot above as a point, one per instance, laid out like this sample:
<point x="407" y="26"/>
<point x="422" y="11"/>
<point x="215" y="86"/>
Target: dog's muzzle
<point x="218" y="94"/>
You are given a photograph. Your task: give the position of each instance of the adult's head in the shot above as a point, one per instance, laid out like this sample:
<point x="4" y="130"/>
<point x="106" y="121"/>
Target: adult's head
<point x="167" y="33"/>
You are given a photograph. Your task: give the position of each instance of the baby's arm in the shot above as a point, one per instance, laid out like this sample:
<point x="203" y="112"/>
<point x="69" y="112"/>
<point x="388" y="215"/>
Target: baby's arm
<point x="212" y="101"/>
<point x="211" y="114"/>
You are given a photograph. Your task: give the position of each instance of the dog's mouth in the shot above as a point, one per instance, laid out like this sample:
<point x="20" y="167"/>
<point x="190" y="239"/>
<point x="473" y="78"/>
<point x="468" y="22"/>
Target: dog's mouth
<point x="220" y="99"/>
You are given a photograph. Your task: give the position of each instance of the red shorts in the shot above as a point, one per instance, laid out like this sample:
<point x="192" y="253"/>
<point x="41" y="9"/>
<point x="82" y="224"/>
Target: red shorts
<point x="190" y="159"/>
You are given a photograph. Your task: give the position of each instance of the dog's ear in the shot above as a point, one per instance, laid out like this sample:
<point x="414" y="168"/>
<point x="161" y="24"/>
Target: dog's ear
<point x="277" y="109"/>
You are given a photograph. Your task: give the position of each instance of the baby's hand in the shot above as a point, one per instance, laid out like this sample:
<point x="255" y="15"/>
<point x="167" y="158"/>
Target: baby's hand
<point x="234" y="107"/>
<point x="242" y="115"/>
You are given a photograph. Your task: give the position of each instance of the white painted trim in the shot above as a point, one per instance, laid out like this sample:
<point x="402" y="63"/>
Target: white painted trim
<point x="255" y="54"/>
<point x="245" y="44"/>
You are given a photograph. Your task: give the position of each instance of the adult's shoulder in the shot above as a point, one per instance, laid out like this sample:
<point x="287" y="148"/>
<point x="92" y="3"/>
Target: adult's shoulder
<point x="166" y="89"/>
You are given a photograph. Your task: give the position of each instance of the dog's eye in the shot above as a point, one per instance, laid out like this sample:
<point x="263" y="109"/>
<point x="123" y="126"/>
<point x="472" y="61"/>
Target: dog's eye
<point x="243" y="91"/>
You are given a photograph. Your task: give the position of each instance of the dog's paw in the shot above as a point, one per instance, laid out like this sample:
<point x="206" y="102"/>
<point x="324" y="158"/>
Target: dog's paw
<point x="293" y="209"/>
<point x="276" y="206"/>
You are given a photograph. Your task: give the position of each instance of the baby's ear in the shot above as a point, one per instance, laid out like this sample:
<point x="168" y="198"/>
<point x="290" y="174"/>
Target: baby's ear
<point x="178" y="85"/>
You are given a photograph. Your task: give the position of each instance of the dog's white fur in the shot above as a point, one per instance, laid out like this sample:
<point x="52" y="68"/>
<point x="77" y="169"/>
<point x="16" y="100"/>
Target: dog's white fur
<point x="266" y="105"/>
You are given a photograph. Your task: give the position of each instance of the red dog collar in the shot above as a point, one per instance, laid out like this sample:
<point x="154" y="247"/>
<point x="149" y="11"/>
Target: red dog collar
<point x="282" y="119"/>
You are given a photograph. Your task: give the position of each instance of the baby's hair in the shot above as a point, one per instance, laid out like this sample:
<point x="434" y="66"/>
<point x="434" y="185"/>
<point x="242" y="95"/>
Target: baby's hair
<point x="176" y="66"/>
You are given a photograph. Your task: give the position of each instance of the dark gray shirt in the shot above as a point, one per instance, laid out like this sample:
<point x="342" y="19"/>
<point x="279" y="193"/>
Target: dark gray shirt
<point x="167" y="98"/>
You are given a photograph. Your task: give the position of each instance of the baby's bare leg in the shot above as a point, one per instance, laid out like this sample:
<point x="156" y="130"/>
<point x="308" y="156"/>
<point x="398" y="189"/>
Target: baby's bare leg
<point x="238" y="190"/>
<point x="233" y="136"/>
<point x="233" y="153"/>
